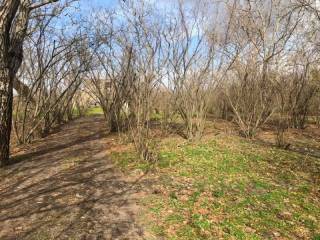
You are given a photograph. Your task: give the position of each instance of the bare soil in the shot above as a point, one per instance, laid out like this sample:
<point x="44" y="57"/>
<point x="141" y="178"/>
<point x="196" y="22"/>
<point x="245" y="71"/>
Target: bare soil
<point x="66" y="187"/>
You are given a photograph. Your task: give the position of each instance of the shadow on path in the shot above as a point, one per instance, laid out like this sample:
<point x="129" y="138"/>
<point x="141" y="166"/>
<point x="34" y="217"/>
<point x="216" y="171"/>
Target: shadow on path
<point x="67" y="188"/>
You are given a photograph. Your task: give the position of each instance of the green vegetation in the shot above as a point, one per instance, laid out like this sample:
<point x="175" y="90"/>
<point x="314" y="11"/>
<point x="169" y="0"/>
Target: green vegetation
<point x="76" y="112"/>
<point x="94" y="111"/>
<point x="128" y="160"/>
<point x="230" y="188"/>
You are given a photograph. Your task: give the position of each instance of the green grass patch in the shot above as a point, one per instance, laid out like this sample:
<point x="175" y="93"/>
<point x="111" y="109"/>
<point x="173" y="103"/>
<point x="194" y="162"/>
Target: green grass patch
<point x="129" y="160"/>
<point x="234" y="189"/>
<point x="94" y="111"/>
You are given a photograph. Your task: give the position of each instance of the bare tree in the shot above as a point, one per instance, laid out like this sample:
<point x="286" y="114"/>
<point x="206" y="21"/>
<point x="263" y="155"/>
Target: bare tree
<point x="260" y="35"/>
<point x="14" y="22"/>
<point x="190" y="46"/>
<point x="109" y="78"/>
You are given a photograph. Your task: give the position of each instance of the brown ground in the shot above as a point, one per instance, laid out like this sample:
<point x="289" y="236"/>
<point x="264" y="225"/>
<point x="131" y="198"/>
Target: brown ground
<point x="65" y="187"/>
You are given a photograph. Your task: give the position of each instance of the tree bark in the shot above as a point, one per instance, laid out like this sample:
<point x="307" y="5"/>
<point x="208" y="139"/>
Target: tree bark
<point x="8" y="10"/>
<point x="5" y="114"/>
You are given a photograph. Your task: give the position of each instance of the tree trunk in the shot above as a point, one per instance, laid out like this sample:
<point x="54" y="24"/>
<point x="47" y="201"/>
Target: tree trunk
<point x="114" y="121"/>
<point x="8" y="68"/>
<point x="6" y="99"/>
<point x="8" y="10"/>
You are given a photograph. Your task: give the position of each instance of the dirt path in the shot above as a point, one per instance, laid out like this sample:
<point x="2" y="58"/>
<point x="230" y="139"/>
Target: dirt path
<point x="65" y="187"/>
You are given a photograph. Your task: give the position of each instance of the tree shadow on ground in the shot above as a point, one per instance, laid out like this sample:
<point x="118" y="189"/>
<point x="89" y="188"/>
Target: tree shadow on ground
<point x="67" y="188"/>
<point x="294" y="159"/>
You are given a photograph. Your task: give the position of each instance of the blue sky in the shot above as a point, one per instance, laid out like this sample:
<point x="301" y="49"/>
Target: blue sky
<point x="85" y="4"/>
<point x="83" y="8"/>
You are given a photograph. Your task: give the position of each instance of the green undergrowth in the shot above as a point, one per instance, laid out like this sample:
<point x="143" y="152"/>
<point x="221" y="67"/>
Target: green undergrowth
<point x="231" y="188"/>
<point x="129" y="160"/>
<point x="94" y="111"/>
